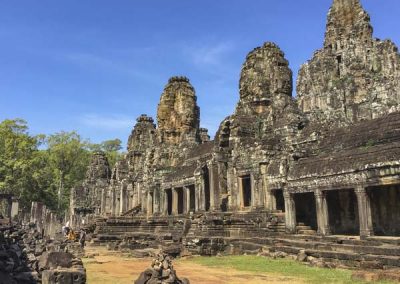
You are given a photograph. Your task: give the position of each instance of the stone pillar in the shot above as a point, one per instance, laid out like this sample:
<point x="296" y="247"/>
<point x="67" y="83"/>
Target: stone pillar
<point x="134" y="193"/>
<point x="290" y="212"/>
<point x="143" y="197"/>
<point x="255" y="197"/>
<point x="138" y="189"/>
<point x="222" y="182"/>
<point x="232" y="189"/>
<point x="14" y="208"/>
<point x="165" y="209"/>
<point x="174" y="201"/>
<point x="156" y="200"/>
<point x="33" y="210"/>
<point x="200" y="194"/>
<point x="150" y="197"/>
<point x="322" y="212"/>
<point x="240" y="188"/>
<point x="129" y="196"/>
<point x="103" y="201"/>
<point x="186" y="199"/>
<point x="265" y="194"/>
<point x="214" y="190"/>
<point x="113" y="202"/>
<point x="122" y="199"/>
<point x="364" y="212"/>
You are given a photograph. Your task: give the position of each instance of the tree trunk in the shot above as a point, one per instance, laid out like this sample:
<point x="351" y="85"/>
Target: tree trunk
<point x="60" y="188"/>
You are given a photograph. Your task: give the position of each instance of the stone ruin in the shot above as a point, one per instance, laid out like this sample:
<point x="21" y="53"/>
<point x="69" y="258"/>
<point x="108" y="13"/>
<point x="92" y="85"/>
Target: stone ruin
<point x="161" y="271"/>
<point x="9" y="208"/>
<point x="34" y="251"/>
<point x="316" y="176"/>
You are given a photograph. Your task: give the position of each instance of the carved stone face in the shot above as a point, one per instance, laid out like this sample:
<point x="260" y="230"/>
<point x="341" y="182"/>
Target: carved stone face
<point x="178" y="114"/>
<point x="265" y="74"/>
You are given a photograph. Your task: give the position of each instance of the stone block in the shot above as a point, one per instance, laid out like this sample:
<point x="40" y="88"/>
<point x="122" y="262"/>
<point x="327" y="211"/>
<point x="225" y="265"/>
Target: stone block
<point x="64" y="276"/>
<point x="49" y="260"/>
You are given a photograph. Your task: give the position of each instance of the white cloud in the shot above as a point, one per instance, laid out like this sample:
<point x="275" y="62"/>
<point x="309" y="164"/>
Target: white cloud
<point x="113" y="122"/>
<point x="209" y="54"/>
<point x="212" y="55"/>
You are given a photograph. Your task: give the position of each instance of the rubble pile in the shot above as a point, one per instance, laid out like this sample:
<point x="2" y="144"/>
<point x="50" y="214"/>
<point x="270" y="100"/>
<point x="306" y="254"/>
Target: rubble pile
<point x="27" y="257"/>
<point x="161" y="271"/>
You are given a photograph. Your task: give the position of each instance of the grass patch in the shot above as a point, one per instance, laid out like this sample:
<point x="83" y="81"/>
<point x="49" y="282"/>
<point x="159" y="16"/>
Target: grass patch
<point x="285" y="267"/>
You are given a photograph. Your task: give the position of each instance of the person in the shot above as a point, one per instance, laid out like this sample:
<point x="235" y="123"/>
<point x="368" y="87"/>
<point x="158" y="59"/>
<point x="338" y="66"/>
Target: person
<point x="65" y="229"/>
<point x="82" y="238"/>
<point x="71" y="235"/>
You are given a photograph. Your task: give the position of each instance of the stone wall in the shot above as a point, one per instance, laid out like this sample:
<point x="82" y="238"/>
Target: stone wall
<point x="354" y="76"/>
<point x="275" y="154"/>
<point x="46" y="222"/>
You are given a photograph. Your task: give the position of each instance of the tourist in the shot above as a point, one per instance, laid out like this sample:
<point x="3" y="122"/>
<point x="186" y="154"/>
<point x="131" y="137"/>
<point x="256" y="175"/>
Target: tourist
<point x="65" y="229"/>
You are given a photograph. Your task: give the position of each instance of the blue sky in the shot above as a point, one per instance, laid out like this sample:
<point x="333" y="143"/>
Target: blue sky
<point x="95" y="66"/>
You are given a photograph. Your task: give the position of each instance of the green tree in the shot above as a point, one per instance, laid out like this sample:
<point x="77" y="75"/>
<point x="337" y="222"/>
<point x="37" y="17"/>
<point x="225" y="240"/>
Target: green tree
<point x="20" y="161"/>
<point x="68" y="157"/>
<point x="111" y="148"/>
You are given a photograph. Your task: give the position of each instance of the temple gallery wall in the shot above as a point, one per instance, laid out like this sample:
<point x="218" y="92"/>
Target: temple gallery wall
<point x="326" y="163"/>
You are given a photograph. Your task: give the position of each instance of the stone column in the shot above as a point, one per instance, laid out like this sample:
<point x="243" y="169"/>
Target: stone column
<point x="255" y="192"/>
<point x="214" y="190"/>
<point x="150" y="196"/>
<point x="103" y="201"/>
<point x="322" y="212"/>
<point x="134" y="193"/>
<point x="174" y="201"/>
<point x="232" y="189"/>
<point x="122" y="199"/>
<point x="290" y="212"/>
<point x="138" y="189"/>
<point x="113" y="202"/>
<point x="266" y="194"/>
<point x="143" y="198"/>
<point x="14" y="208"/>
<point x="129" y="196"/>
<point x="186" y="198"/>
<point x="165" y="202"/>
<point x="364" y="212"/>
<point x="200" y="194"/>
<point x="156" y="200"/>
<point x="33" y="210"/>
<point x="240" y="188"/>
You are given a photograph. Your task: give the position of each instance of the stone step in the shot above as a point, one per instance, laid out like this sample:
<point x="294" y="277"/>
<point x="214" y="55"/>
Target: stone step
<point x="299" y="228"/>
<point x="249" y="246"/>
<point x="340" y="248"/>
<point x="386" y="240"/>
<point x="365" y="260"/>
<point x="306" y="232"/>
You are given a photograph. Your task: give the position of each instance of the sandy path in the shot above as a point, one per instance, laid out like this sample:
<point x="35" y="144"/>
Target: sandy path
<point x="115" y="268"/>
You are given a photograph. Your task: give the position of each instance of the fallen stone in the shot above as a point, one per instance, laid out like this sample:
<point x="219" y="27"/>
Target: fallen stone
<point x="302" y="256"/>
<point x="63" y="276"/>
<point x="161" y="271"/>
<point x="49" y="260"/>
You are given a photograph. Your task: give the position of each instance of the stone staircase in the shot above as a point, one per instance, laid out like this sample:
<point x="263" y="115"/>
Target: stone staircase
<point x="133" y="211"/>
<point x="340" y="250"/>
<point x="138" y="227"/>
<point x="243" y="233"/>
<point x="303" y="229"/>
<point x="249" y="232"/>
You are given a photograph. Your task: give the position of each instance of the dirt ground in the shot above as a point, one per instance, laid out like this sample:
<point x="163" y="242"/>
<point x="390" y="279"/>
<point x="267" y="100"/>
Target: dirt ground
<point x="112" y="267"/>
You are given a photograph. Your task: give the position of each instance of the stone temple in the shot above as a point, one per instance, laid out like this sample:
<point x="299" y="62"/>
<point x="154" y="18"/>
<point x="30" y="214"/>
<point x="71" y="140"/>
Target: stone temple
<point x="319" y="172"/>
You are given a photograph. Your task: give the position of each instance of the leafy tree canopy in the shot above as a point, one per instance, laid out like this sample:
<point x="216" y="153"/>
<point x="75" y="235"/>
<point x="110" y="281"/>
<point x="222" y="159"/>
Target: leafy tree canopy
<point x="45" y="168"/>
